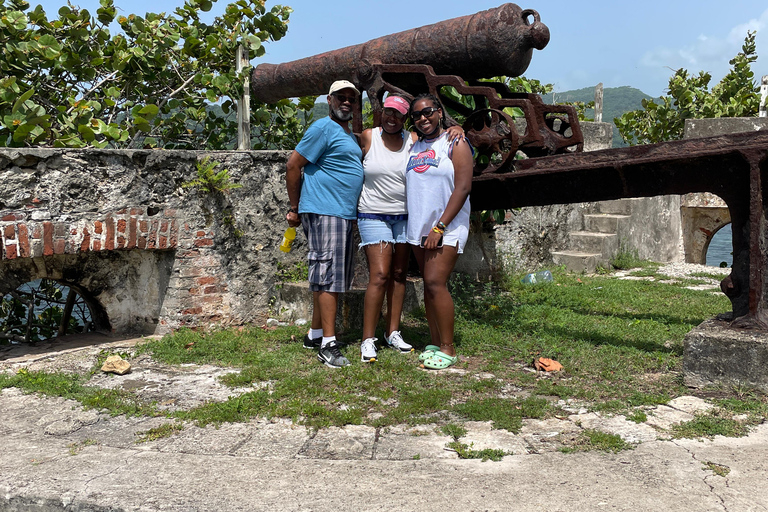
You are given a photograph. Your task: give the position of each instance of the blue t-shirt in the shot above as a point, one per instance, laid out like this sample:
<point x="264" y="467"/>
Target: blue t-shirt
<point x="333" y="178"/>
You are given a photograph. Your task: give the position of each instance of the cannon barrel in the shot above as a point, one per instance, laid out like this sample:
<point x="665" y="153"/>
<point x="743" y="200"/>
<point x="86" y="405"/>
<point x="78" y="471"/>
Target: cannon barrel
<point x="495" y="42"/>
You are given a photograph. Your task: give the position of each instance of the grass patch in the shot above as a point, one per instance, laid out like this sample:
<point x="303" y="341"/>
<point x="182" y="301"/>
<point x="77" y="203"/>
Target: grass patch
<point x="590" y="440"/>
<point x="626" y="259"/>
<point x="161" y="432"/>
<point x="467" y="452"/>
<point x="620" y="343"/>
<point x="638" y="416"/>
<point x="504" y="413"/>
<point x="454" y="430"/>
<point x="71" y="386"/>
<point x="709" y="425"/>
<point x="708" y="275"/>
<point x="717" y="469"/>
<point x="646" y="272"/>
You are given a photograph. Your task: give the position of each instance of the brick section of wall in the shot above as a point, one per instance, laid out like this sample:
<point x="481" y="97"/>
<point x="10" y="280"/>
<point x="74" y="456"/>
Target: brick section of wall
<point x="23" y="237"/>
<point x="197" y="293"/>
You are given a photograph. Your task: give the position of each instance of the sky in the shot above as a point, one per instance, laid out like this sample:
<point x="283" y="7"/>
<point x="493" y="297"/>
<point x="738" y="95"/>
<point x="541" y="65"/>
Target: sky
<point x="638" y="44"/>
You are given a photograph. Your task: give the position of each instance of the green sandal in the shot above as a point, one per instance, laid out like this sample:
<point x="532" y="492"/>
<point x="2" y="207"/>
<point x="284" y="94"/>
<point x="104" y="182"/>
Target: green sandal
<point x="429" y="351"/>
<point x="440" y="361"/>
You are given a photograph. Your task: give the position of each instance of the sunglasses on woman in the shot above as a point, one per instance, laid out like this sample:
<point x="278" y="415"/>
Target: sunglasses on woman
<point x="394" y="112"/>
<point x="427" y="112"/>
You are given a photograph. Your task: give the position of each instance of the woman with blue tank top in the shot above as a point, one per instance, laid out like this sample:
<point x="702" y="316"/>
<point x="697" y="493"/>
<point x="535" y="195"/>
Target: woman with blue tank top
<point x="382" y="220"/>
<point x="438" y="180"/>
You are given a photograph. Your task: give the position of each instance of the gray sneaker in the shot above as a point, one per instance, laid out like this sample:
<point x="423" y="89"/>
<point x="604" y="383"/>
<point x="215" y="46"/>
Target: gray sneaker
<point x="395" y="340"/>
<point x="368" y="350"/>
<point x="330" y="356"/>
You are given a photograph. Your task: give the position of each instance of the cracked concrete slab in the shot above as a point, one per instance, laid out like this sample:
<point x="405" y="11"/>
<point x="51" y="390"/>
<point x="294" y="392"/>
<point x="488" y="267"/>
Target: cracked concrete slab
<point x="629" y="431"/>
<point x="413" y="443"/>
<point x="355" y="442"/>
<point x="481" y="436"/>
<point x="664" y="417"/>
<point x="59" y="457"/>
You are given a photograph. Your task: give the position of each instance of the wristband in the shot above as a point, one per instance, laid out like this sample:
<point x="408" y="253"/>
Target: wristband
<point x="441" y="225"/>
<point x="293" y="210"/>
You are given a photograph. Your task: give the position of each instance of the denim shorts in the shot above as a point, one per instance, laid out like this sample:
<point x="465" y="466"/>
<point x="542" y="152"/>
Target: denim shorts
<point x="374" y="231"/>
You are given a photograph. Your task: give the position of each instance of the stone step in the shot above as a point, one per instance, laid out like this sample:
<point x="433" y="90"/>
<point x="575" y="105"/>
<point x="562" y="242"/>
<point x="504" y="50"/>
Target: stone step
<point x="605" y="244"/>
<point x="605" y="222"/>
<point x="617" y="206"/>
<point x="576" y="261"/>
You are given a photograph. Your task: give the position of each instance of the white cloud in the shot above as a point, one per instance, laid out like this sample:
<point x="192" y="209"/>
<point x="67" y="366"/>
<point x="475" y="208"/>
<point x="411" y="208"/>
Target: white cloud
<point x="738" y="32"/>
<point x="709" y="53"/>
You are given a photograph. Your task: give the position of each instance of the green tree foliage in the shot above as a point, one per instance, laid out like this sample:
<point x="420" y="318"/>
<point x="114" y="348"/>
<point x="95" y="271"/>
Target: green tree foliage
<point x="69" y="82"/>
<point x="737" y="95"/>
<point x="35" y="313"/>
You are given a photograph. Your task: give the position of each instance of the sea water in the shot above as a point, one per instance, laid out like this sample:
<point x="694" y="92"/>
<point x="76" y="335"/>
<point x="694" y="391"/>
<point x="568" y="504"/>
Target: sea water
<point x="721" y="248"/>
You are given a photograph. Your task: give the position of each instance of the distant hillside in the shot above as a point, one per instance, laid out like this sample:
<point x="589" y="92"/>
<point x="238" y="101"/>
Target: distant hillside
<point x="616" y="101"/>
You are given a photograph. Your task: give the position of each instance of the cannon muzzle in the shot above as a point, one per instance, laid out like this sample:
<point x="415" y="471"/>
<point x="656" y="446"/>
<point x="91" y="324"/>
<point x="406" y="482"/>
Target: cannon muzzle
<point x="490" y="43"/>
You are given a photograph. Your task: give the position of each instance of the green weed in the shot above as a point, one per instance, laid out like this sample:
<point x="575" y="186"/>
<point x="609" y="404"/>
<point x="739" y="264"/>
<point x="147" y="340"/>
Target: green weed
<point x="465" y="451"/>
<point x="293" y="273"/>
<point x="627" y="258"/>
<point x="77" y="447"/>
<point x="163" y="431"/>
<point x="717" y="469"/>
<point x="638" y="416"/>
<point x="709" y="425"/>
<point x="596" y="440"/>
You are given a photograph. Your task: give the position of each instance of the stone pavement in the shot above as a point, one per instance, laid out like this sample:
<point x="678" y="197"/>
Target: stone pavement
<point x="56" y="456"/>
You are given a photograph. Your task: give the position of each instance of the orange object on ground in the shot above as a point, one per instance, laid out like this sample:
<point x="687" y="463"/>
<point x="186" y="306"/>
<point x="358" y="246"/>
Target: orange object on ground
<point x="547" y="365"/>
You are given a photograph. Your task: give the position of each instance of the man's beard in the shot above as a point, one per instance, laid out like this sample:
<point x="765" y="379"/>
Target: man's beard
<point x="340" y="115"/>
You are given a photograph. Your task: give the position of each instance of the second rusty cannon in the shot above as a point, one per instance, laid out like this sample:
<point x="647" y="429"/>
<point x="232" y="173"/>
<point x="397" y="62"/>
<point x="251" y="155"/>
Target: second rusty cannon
<point x="446" y="59"/>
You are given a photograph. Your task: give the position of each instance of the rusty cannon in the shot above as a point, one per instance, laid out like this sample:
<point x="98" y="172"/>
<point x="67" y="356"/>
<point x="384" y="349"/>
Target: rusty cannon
<point x="447" y="59"/>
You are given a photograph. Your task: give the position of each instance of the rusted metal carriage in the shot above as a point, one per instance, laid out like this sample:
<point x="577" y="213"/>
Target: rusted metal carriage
<point x="463" y="51"/>
<point x="460" y="52"/>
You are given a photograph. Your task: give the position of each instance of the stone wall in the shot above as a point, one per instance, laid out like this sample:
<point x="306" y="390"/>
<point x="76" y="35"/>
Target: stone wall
<point x="528" y="236"/>
<point x="147" y="254"/>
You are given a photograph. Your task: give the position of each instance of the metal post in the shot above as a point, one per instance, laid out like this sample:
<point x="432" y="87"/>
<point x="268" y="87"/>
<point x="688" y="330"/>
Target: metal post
<point x="599" y="103"/>
<point x="244" y="105"/>
<point x="763" y="96"/>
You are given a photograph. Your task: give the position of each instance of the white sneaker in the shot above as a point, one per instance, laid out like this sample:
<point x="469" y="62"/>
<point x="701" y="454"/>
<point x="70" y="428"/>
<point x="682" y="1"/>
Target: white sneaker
<point x="395" y="340"/>
<point x="368" y="350"/>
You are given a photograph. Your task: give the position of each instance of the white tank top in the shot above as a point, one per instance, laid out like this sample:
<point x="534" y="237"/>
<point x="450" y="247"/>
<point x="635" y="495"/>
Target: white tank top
<point x="384" y="177"/>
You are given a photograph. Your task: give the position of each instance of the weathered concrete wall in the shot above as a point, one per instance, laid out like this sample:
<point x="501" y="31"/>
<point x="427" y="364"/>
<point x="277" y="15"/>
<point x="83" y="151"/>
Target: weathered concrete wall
<point x="525" y="241"/>
<point x="722" y="125"/>
<point x="149" y="254"/>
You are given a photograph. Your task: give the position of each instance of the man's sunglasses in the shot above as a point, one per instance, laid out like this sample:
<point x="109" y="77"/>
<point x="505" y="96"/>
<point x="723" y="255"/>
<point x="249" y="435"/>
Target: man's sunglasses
<point x="394" y="112"/>
<point x="351" y="99"/>
<point x="427" y="112"/>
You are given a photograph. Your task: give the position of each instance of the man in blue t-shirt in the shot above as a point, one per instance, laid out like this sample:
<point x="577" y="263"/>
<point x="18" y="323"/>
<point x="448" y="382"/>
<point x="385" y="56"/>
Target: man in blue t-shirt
<point x="324" y="202"/>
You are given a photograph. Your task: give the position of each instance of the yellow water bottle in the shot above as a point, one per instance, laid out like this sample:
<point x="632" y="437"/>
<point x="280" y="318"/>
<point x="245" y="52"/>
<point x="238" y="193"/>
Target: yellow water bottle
<point x="288" y="237"/>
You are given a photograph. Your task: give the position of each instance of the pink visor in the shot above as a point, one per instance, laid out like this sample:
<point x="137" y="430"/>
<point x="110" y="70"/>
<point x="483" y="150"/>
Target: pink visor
<point x="397" y="103"/>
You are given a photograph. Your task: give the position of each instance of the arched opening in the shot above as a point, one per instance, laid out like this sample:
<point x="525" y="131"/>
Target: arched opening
<point x="720" y="248"/>
<point x="44" y="309"/>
